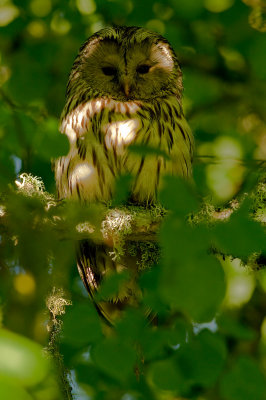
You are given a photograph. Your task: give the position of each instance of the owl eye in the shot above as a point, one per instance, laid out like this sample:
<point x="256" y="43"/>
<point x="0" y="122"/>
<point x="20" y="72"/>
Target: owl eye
<point x="143" y="69"/>
<point x="109" y="71"/>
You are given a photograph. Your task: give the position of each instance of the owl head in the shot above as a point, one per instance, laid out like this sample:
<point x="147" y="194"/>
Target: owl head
<point x="125" y="63"/>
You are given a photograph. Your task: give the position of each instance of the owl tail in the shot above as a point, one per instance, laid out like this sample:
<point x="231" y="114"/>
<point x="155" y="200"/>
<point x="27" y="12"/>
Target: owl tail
<point x="95" y="265"/>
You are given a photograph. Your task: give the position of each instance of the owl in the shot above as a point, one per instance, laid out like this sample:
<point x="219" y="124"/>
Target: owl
<point x="124" y="89"/>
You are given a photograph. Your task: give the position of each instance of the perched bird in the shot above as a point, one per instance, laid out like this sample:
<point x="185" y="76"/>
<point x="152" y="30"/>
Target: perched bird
<point x="124" y="89"/>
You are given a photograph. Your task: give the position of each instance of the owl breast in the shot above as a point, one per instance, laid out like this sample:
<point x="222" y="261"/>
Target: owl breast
<point x="100" y="133"/>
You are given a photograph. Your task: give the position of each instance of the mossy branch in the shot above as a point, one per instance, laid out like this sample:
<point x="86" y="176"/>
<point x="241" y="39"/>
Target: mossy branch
<point x="56" y="303"/>
<point x="115" y="227"/>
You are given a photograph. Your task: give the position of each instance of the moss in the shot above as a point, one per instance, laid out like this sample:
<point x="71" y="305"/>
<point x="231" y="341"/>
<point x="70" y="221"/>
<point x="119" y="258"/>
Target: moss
<point x="148" y="253"/>
<point x="204" y="215"/>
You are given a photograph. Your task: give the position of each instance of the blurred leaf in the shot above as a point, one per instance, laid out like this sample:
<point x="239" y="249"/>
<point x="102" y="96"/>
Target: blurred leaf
<point x="81" y="325"/>
<point x="115" y="358"/>
<point x="240" y="235"/>
<point x="144" y="150"/>
<point x="122" y="190"/>
<point x="7" y="170"/>
<point x="189" y="9"/>
<point x="88" y="374"/>
<point x="131" y="325"/>
<point x="47" y="141"/>
<point x="191" y="280"/>
<point x="166" y="375"/>
<point x="48" y="389"/>
<point x="111" y="285"/>
<point x="179" y="333"/>
<point x="21" y="359"/>
<point x="199" y="176"/>
<point x="9" y="390"/>
<point x="257" y="57"/>
<point x="178" y="196"/>
<point x="30" y="82"/>
<point x="202" y="359"/>
<point x="201" y="89"/>
<point x="155" y="343"/>
<point x="232" y="328"/>
<point x="150" y="282"/>
<point x="244" y="381"/>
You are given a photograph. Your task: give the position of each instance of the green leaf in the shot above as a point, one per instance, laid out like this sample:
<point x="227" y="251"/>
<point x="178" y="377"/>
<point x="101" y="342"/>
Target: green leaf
<point x="122" y="190"/>
<point x="178" y="196"/>
<point x="240" y="236"/>
<point x="21" y="360"/>
<point x="88" y="374"/>
<point x="132" y="325"/>
<point x="115" y="358"/>
<point x="166" y="375"/>
<point x="202" y="358"/>
<point x="144" y="150"/>
<point x="48" y="143"/>
<point x="179" y="333"/>
<point x="154" y="343"/>
<point x="233" y="328"/>
<point x="257" y="57"/>
<point x="189" y="9"/>
<point x="11" y="390"/>
<point x="201" y="89"/>
<point x="7" y="169"/>
<point x="150" y="282"/>
<point x="244" y="381"/>
<point x="81" y="325"/>
<point x="112" y="285"/>
<point x="191" y="280"/>
<point x="196" y="288"/>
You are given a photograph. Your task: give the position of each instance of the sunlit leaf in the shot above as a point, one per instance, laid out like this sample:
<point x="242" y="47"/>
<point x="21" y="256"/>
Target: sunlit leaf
<point x="21" y="359"/>
<point x="9" y="390"/>
<point x="8" y="12"/>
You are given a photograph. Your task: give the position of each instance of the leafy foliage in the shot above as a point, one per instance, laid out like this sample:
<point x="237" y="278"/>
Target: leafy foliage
<point x="207" y="339"/>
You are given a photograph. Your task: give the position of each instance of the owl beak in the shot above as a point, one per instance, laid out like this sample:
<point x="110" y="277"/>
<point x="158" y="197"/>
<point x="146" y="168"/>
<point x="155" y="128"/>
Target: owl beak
<point x="126" y="88"/>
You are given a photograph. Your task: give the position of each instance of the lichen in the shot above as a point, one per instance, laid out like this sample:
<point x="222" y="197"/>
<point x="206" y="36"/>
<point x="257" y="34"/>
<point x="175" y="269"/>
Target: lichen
<point x="119" y="223"/>
<point x="56" y="303"/>
<point x="115" y="227"/>
<point x="33" y="186"/>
